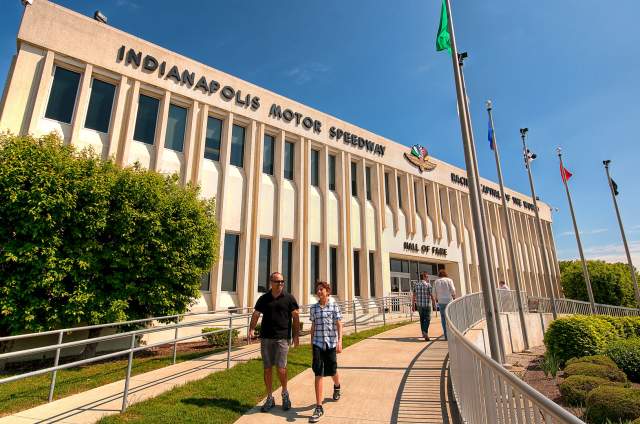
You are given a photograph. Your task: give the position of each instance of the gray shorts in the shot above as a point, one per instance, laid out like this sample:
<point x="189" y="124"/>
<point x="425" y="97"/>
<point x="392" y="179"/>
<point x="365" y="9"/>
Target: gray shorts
<point x="274" y="352"/>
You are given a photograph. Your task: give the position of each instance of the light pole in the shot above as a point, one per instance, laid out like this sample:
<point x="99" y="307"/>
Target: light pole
<point x="528" y="156"/>
<point x="624" y="237"/>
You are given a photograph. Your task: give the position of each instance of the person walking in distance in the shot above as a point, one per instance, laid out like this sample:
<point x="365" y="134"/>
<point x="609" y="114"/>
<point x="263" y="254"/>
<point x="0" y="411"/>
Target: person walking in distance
<point x="503" y="286"/>
<point x="423" y="299"/>
<point x="278" y="309"/>
<point x="445" y="293"/>
<point x="326" y="340"/>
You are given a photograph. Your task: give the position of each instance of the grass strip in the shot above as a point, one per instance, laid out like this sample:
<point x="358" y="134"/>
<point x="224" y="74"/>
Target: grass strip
<point x="33" y="391"/>
<point x="224" y="396"/>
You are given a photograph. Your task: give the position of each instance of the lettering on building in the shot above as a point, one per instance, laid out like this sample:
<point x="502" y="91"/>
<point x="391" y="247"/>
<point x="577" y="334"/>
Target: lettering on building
<point x="287" y="115"/>
<point x="463" y="181"/>
<point x="356" y="141"/>
<point x="425" y="249"/>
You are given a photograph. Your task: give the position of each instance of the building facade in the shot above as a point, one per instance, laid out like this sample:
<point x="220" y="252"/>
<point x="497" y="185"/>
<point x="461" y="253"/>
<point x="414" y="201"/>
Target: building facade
<point x="297" y="190"/>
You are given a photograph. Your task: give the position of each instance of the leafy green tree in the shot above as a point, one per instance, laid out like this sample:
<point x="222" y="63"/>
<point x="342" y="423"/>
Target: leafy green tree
<point x="85" y="242"/>
<point x="611" y="282"/>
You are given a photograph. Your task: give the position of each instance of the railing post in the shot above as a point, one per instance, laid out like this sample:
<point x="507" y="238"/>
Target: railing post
<point x="55" y="364"/>
<point x="248" y="326"/>
<point x="175" y="345"/>
<point x="126" y="381"/>
<point x="355" y="318"/>
<point x="384" y="314"/>
<point x="229" y="343"/>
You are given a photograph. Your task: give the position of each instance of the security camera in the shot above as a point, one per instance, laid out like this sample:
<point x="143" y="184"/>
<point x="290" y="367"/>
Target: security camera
<point x="606" y="162"/>
<point x="523" y="131"/>
<point x="26" y="2"/>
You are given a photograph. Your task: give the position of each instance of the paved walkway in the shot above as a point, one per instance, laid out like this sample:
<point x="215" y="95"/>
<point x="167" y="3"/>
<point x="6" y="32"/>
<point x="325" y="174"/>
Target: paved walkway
<point x="90" y="406"/>
<point x="394" y="377"/>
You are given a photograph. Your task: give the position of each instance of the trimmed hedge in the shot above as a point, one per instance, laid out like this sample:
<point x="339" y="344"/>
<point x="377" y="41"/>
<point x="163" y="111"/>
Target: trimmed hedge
<point x="612" y="404"/>
<point x="593" y="359"/>
<point x="611" y="373"/>
<point x="221" y="338"/>
<point x="626" y="355"/>
<point x="577" y="336"/>
<point x="575" y="388"/>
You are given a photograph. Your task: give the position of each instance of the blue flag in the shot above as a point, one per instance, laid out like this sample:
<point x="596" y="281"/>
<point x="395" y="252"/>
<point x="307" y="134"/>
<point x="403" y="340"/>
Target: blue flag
<point x="491" y="136"/>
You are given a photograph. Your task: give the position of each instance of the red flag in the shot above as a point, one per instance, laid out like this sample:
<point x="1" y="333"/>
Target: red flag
<point x="565" y="173"/>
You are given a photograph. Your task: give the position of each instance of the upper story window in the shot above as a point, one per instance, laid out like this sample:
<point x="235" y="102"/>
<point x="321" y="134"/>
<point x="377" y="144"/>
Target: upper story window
<point x="315" y="168"/>
<point x="387" y="197"/>
<point x="289" y="154"/>
<point x="100" y="105"/>
<point x="332" y="172"/>
<point x="146" y="119"/>
<point x="367" y="173"/>
<point x="62" y="98"/>
<point x="354" y="179"/>
<point x="268" y="154"/>
<point x="176" y="124"/>
<point x="399" y="184"/>
<point x="212" y="139"/>
<point x="237" y="146"/>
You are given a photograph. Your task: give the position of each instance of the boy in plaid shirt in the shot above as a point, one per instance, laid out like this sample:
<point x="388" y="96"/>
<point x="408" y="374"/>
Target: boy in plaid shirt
<point x="326" y="339"/>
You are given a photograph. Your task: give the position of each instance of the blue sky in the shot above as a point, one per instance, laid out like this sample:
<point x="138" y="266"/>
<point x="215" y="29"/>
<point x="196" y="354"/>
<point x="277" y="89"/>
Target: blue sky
<point x="567" y="70"/>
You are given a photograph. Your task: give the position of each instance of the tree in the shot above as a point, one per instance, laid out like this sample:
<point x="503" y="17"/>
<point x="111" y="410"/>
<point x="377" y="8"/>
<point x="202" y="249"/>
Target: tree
<point x="85" y="242"/>
<point x="611" y="282"/>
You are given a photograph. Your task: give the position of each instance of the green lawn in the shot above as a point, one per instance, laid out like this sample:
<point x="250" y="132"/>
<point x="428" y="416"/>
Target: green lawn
<point x="23" y="394"/>
<point x="224" y="396"/>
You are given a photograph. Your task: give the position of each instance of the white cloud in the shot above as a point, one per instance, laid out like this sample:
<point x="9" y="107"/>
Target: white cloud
<point x="303" y="74"/>
<point x="607" y="253"/>
<point x="585" y="232"/>
<point x="128" y="3"/>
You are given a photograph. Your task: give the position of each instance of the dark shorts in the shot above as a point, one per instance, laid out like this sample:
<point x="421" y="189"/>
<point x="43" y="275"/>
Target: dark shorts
<point x="325" y="362"/>
<point x="274" y="352"/>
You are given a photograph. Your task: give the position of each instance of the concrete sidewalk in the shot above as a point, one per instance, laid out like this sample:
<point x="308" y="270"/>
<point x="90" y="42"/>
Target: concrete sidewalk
<point x="90" y="406"/>
<point x="394" y="377"/>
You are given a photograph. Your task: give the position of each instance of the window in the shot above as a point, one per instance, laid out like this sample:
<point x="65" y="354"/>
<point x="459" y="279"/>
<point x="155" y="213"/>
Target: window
<point x="415" y="195"/>
<point x="237" y="146"/>
<point x="367" y="174"/>
<point x="205" y="280"/>
<point x="396" y="265"/>
<point x="62" y="98"/>
<point x="315" y="168"/>
<point x="372" y="278"/>
<point x="230" y="262"/>
<point x="386" y="188"/>
<point x="268" y="154"/>
<point x="287" y="254"/>
<point x="264" y="265"/>
<point x="333" y="265"/>
<point x="146" y="119"/>
<point x="354" y="179"/>
<point x="399" y="183"/>
<point x="356" y="273"/>
<point x="212" y="139"/>
<point x="332" y="172"/>
<point x="289" y="153"/>
<point x="176" y="124"/>
<point x="315" y="266"/>
<point x="100" y="104"/>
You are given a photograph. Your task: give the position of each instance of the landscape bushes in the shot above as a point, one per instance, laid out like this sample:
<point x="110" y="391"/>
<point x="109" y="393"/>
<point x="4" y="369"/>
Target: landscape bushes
<point x="221" y="338"/>
<point x="626" y="354"/>
<point x="578" y="336"/>
<point x="612" y="404"/>
<point x="611" y="373"/>
<point x="574" y="389"/>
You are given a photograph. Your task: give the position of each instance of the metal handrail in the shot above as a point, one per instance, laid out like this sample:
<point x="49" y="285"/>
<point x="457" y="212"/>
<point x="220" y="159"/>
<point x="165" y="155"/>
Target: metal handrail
<point x="387" y="305"/>
<point x="485" y="391"/>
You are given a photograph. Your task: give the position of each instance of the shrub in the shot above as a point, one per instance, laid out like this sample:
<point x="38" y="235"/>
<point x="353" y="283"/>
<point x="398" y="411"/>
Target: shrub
<point x="221" y="338"/>
<point x="611" y="283"/>
<point x="577" y="336"/>
<point x="593" y="359"/>
<point x="625" y="326"/>
<point x="575" y="388"/>
<point x="612" y="373"/>
<point x="626" y="354"/>
<point x="612" y="403"/>
<point x="550" y="365"/>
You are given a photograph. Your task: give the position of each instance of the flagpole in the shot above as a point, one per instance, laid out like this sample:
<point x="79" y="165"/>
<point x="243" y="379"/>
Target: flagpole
<point x="485" y="279"/>
<point x="507" y="220"/>
<point x="585" y="270"/>
<point x="543" y="248"/>
<point x="483" y="216"/>
<point x="624" y="237"/>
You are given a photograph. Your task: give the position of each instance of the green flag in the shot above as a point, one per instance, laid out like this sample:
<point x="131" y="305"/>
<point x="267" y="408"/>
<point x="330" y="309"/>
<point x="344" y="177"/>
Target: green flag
<point x="443" y="39"/>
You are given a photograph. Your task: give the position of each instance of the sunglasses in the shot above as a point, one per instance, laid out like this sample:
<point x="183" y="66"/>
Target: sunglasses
<point x="277" y="281"/>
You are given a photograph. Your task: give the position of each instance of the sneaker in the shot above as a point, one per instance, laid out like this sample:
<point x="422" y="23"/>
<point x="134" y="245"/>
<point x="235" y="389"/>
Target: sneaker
<point x="286" y="402"/>
<point x="268" y="404"/>
<point x="336" y="392"/>
<point x="317" y="413"/>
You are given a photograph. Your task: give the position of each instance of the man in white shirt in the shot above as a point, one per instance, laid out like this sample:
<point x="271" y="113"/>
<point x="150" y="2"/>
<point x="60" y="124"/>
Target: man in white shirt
<point x="445" y="292"/>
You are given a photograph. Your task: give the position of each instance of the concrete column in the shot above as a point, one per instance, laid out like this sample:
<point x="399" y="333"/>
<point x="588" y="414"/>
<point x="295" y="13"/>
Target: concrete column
<point x="381" y="266"/>
<point x="254" y="215"/>
<point x="40" y="102"/>
<point x="345" y="164"/>
<point x="278" y="174"/>
<point x="411" y="204"/>
<point x="395" y="203"/>
<point x="122" y="156"/>
<point x="433" y="200"/>
<point x="301" y="241"/>
<point x="191" y="142"/>
<point x="118" y="125"/>
<point x="323" y="180"/>
<point x="422" y="206"/>
<point x="382" y="200"/>
<point x="463" y="243"/>
<point x="82" y="103"/>
<point x="161" y="132"/>
<point x="364" y="245"/>
<point x="198" y="146"/>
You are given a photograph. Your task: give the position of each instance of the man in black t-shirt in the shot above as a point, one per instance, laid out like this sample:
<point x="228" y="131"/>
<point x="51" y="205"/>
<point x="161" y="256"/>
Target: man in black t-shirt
<point x="278" y="309"/>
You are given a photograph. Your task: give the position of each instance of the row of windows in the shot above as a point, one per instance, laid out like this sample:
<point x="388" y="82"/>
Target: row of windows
<point x="230" y="266"/>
